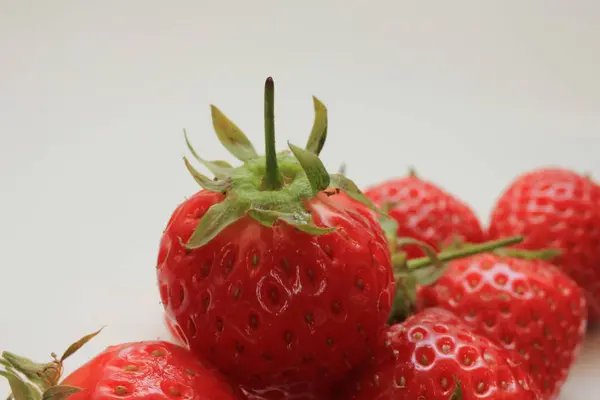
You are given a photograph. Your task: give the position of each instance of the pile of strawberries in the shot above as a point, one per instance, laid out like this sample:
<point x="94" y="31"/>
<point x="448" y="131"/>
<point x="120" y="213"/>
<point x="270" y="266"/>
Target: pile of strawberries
<point x="282" y="281"/>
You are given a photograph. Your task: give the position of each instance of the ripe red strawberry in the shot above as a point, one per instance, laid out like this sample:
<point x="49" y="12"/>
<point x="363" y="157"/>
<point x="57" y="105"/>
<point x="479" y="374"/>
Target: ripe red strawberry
<point x="143" y="370"/>
<point x="556" y="208"/>
<point x="426" y="212"/>
<point x="525" y="305"/>
<point x="276" y="272"/>
<point x="434" y="356"/>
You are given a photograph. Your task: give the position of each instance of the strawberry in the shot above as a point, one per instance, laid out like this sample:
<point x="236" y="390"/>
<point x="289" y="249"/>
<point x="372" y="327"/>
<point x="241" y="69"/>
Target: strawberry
<point x="276" y="272"/>
<point x="560" y="209"/>
<point x="521" y="304"/>
<point x="426" y="212"/>
<point x="434" y="356"/>
<point x="148" y="370"/>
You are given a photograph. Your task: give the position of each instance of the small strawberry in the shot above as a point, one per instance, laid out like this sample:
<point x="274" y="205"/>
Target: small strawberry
<point x="143" y="370"/>
<point x="522" y="304"/>
<point x="434" y="356"/>
<point x="276" y="272"/>
<point x="560" y="209"/>
<point x="425" y="212"/>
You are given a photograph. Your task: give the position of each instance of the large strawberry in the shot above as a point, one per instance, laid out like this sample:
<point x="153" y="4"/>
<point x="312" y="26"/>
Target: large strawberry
<point x="521" y="303"/>
<point x="276" y="272"/>
<point x="426" y="212"/>
<point x="556" y="208"/>
<point x="142" y="370"/>
<point x="434" y="356"/>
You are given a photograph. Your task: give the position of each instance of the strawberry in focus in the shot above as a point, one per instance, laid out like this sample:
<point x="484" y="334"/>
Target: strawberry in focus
<point x="276" y="272"/>
<point x="149" y="370"/>
<point x="560" y="209"/>
<point x="521" y="303"/>
<point x="425" y="212"/>
<point x="434" y="356"/>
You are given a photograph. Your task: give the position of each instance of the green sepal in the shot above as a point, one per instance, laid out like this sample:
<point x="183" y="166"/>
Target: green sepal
<point x="60" y="392"/>
<point x="386" y="206"/>
<point x="300" y="220"/>
<point x="408" y="280"/>
<point x="205" y="182"/>
<point x="317" y="137"/>
<point x="30" y="369"/>
<point x="220" y="169"/>
<point x="79" y="344"/>
<point x="217" y="218"/>
<point x="344" y="184"/>
<point x="429" y="251"/>
<point x="405" y="297"/>
<point x="20" y="389"/>
<point x="231" y="136"/>
<point x="313" y="167"/>
<point x="390" y="228"/>
<point x="457" y="394"/>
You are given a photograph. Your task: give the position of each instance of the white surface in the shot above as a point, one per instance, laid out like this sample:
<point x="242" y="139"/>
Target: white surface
<point x="93" y="96"/>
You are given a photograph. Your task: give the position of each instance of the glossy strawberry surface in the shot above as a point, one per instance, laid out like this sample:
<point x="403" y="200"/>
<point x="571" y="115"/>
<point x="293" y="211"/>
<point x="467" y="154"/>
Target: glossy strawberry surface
<point x="526" y="306"/>
<point x="274" y="307"/>
<point x="556" y="208"/>
<point x="425" y="356"/>
<point x="426" y="212"/>
<point x="152" y="370"/>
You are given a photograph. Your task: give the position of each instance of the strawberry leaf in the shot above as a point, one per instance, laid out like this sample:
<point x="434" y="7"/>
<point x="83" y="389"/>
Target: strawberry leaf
<point x="60" y="392"/>
<point x="204" y="181"/>
<point x="231" y="136"/>
<point x="78" y="344"/>
<point x="220" y="169"/>
<point x="318" y="134"/>
<point x="300" y="220"/>
<point x="217" y="218"/>
<point x="20" y="389"/>
<point x="347" y="186"/>
<point x="313" y="167"/>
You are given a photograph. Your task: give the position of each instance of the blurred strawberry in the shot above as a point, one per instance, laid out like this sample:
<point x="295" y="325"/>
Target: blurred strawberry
<point x="520" y="302"/>
<point x="434" y="356"/>
<point x="425" y="212"/>
<point x="560" y="209"/>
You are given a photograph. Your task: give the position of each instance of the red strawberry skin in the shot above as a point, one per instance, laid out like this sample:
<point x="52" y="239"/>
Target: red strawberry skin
<point x="420" y="359"/>
<point x="273" y="307"/>
<point x="528" y="306"/>
<point x="148" y="370"/>
<point x="425" y="212"/>
<point x="556" y="208"/>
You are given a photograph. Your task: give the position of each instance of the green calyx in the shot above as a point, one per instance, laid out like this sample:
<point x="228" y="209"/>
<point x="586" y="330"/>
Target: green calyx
<point x="271" y="188"/>
<point x="425" y="271"/>
<point x="30" y="380"/>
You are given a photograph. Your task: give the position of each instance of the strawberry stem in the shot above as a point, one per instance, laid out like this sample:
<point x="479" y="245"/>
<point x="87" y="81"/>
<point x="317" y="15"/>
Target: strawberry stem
<point x="543" y="254"/>
<point x="272" y="180"/>
<point x="460" y="253"/>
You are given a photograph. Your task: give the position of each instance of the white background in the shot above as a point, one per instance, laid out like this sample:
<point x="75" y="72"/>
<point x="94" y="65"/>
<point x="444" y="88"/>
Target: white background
<point x="94" y="94"/>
